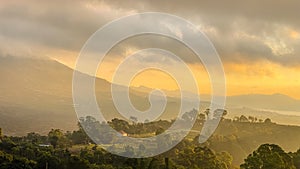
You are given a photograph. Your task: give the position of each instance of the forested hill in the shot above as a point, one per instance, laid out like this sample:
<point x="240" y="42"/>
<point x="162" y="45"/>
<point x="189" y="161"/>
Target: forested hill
<point x="229" y="148"/>
<point x="41" y="91"/>
<point x="238" y="136"/>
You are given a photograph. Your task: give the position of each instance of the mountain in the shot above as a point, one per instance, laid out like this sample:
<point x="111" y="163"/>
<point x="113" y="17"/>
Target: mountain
<point x="270" y="102"/>
<point x="36" y="95"/>
<point x="279" y="118"/>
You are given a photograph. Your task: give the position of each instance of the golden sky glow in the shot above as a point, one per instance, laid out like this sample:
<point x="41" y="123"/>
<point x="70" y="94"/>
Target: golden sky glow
<point x="260" y="53"/>
<point x="249" y="78"/>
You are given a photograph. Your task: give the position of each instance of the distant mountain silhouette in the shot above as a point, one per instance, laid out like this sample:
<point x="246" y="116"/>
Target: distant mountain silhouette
<point x="260" y="101"/>
<point x="36" y="95"/>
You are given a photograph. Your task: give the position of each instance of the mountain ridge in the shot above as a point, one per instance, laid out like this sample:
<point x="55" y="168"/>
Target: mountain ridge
<point x="40" y="91"/>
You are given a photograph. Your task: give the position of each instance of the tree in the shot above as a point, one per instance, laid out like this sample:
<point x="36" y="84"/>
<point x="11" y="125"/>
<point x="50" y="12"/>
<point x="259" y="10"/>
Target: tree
<point x="206" y="112"/>
<point x="133" y="119"/>
<point x="23" y="163"/>
<point x="119" y="125"/>
<point x="129" y="151"/>
<point x="190" y="116"/>
<point x="204" y="158"/>
<point x="5" y="159"/>
<point x="201" y="117"/>
<point x="243" y="119"/>
<point x="296" y="159"/>
<point x="33" y="137"/>
<point x="220" y="113"/>
<point x="251" y="119"/>
<point x="0" y="133"/>
<point x="8" y="161"/>
<point x="78" y="163"/>
<point x="224" y="159"/>
<point x="80" y="136"/>
<point x="46" y="160"/>
<point x="268" y="121"/>
<point x="55" y="137"/>
<point x="268" y="156"/>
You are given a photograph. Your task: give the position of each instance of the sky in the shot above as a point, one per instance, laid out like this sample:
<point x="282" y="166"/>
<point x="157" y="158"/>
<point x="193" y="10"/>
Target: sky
<point x="258" y="41"/>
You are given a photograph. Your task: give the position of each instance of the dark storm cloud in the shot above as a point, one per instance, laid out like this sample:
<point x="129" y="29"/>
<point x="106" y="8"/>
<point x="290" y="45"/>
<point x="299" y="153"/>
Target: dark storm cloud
<point x="268" y="10"/>
<point x="260" y="20"/>
<point x="58" y="24"/>
<point x="242" y="31"/>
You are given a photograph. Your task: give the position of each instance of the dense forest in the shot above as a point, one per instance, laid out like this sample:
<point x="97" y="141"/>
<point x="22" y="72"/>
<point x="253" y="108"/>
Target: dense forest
<point x="242" y="142"/>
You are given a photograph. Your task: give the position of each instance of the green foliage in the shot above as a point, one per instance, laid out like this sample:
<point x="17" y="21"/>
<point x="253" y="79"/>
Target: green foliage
<point x="47" y="160"/>
<point x="26" y="153"/>
<point x="34" y="138"/>
<point x="57" y="138"/>
<point x="8" y="161"/>
<point x="296" y="159"/>
<point x="75" y="149"/>
<point x="204" y="158"/>
<point x="268" y="156"/>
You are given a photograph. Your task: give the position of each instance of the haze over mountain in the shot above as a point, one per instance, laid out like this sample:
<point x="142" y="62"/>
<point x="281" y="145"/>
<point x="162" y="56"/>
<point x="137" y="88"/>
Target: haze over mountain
<point x="36" y="95"/>
<point x="275" y="101"/>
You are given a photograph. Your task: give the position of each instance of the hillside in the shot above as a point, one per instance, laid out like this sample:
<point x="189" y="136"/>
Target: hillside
<point x="260" y="101"/>
<point x="36" y="95"/>
<point x="40" y="91"/>
<point x="240" y="138"/>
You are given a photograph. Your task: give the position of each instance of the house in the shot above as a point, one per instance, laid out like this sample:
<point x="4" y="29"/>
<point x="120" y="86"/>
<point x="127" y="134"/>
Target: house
<point x="123" y="133"/>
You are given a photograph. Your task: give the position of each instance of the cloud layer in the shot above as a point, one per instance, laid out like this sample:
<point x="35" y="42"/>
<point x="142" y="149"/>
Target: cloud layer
<point x="256" y="40"/>
<point x="242" y="31"/>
